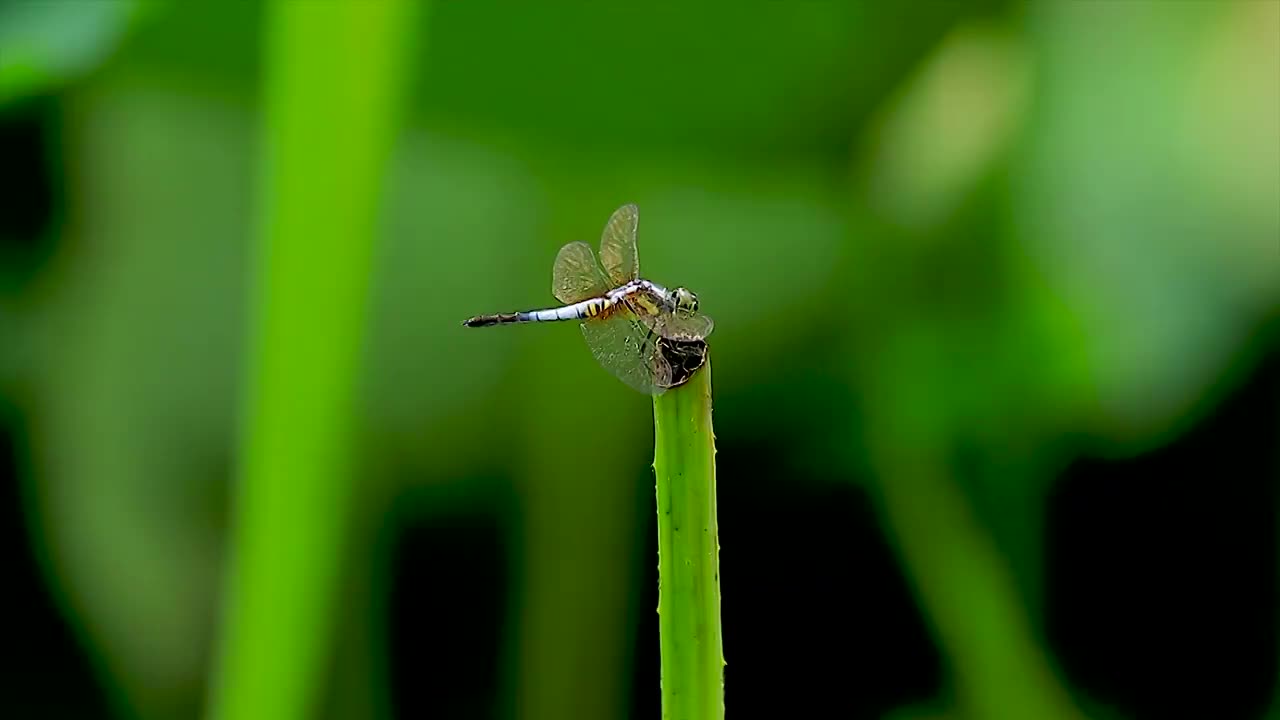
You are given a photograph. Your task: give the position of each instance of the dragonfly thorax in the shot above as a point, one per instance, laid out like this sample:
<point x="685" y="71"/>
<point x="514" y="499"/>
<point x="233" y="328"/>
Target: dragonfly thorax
<point x="650" y="298"/>
<point x="643" y="293"/>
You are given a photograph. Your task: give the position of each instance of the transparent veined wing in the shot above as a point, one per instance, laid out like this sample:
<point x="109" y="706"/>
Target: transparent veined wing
<point x="576" y="276"/>
<point x="627" y="348"/>
<point x="618" y="245"/>
<point x="680" y="325"/>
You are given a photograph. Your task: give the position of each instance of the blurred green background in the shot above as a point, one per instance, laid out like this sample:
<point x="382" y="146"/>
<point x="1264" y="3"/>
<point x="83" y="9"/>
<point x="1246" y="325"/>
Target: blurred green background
<point x="997" y="360"/>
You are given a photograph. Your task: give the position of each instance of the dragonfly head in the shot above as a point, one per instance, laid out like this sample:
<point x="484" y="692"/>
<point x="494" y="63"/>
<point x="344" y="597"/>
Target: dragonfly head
<point x="686" y="300"/>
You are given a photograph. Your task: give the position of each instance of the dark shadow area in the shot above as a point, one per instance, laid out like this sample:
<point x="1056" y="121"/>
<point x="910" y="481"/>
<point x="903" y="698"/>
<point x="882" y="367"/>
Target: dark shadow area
<point x="1161" y="569"/>
<point x="44" y="671"/>
<point x="446" y="612"/>
<point x="32" y="192"/>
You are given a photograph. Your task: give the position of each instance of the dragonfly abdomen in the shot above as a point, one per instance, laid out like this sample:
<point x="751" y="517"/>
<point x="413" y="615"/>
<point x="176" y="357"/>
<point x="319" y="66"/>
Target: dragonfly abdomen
<point x="577" y="311"/>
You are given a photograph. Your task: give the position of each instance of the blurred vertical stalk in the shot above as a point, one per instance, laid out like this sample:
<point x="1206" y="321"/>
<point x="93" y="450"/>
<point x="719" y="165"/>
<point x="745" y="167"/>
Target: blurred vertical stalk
<point x="964" y="586"/>
<point x="335" y="74"/>
<point x="575" y="541"/>
<point x="998" y="670"/>
<point x="688" y="552"/>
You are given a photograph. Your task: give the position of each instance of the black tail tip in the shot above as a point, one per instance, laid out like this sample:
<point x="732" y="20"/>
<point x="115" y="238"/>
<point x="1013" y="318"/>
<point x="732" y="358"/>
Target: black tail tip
<point x="487" y="320"/>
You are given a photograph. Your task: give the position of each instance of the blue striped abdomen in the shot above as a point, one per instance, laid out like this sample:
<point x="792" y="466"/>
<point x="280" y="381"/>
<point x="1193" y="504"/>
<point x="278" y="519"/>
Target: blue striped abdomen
<point x="577" y="311"/>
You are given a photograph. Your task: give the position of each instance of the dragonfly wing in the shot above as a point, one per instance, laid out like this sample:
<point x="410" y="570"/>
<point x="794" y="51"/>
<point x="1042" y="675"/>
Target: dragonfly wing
<point x="628" y="348"/>
<point x="680" y="326"/>
<point x="576" y="276"/>
<point x="618" y="245"/>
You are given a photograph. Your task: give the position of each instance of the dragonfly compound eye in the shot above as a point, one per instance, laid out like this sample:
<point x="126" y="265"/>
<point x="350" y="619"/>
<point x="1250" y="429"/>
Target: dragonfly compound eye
<point x="686" y="300"/>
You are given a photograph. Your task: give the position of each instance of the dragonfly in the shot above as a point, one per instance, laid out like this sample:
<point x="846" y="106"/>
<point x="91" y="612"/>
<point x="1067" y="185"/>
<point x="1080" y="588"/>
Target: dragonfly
<point x="637" y="329"/>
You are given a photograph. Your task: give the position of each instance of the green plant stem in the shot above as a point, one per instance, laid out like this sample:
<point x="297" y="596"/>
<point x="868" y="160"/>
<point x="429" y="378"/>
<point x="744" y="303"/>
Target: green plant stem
<point x="959" y="576"/>
<point x="335" y="74"/>
<point x="688" y="552"/>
